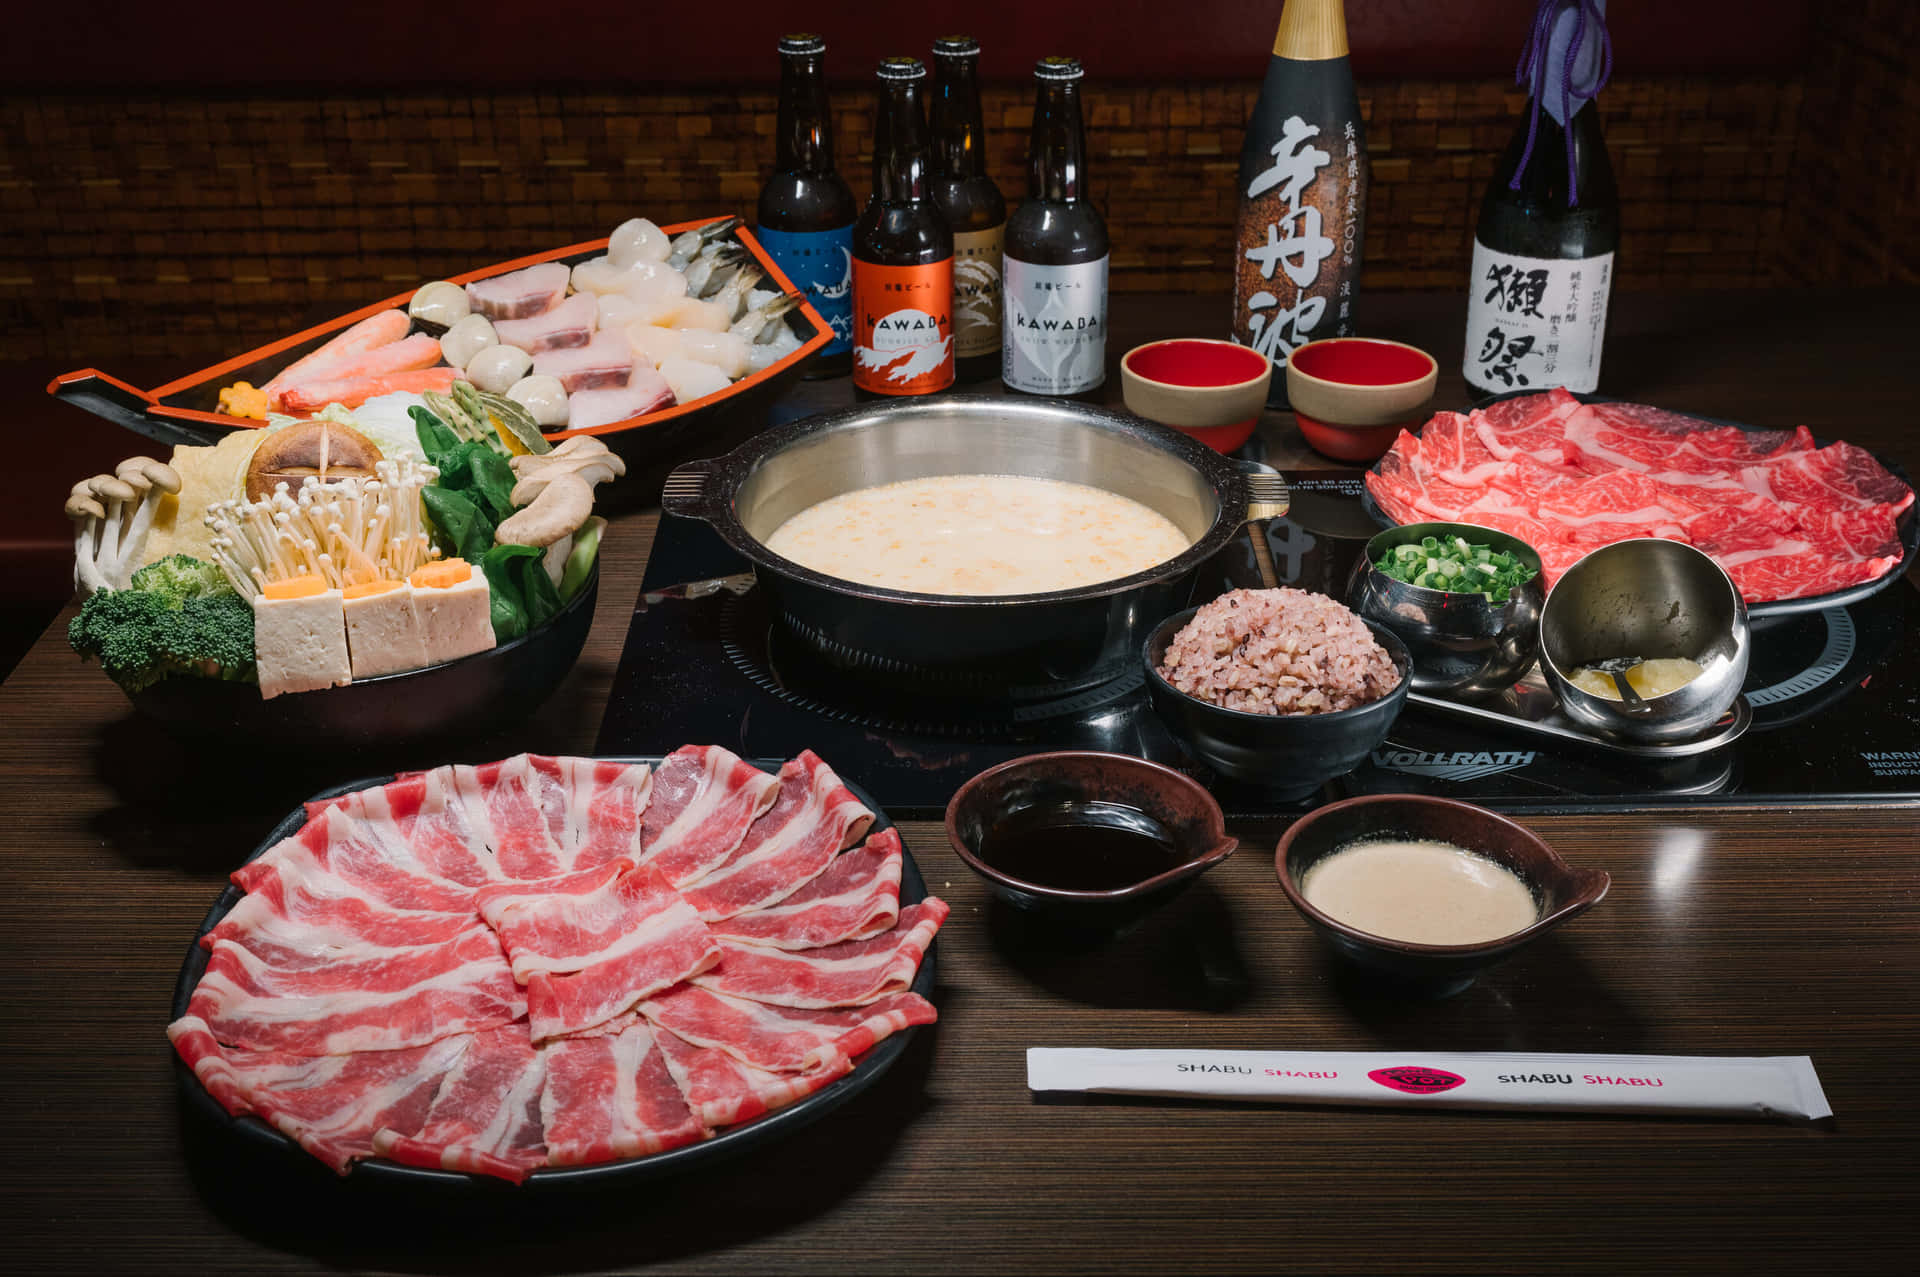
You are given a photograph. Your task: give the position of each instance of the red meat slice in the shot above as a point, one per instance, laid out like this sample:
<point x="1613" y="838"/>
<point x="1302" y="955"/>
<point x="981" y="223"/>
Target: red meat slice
<point x="360" y="854"/>
<point x="330" y="1104"/>
<point x="429" y="818"/>
<point x="854" y="973"/>
<point x="297" y="902"/>
<point x="1454" y="452"/>
<point x="1838" y="476"/>
<point x="609" y="1097"/>
<point x="1529" y="480"/>
<point x="518" y="811"/>
<point x="486" y="1119"/>
<point x="1530" y="425"/>
<point x="657" y="941"/>
<point x="704" y="799"/>
<point x="782" y="1039"/>
<point x="721" y="1090"/>
<point x="407" y="998"/>
<point x="858" y="896"/>
<point x="605" y="802"/>
<point x="813" y="817"/>
<point x="1610" y="507"/>
<point x="561" y="924"/>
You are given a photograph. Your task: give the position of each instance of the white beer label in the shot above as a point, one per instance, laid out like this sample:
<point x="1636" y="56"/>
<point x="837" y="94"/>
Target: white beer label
<point x="1055" y="340"/>
<point x="1535" y="322"/>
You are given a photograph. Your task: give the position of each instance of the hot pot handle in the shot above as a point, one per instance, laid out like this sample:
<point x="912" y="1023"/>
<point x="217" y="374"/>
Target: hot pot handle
<point x="685" y="493"/>
<point x="1267" y="495"/>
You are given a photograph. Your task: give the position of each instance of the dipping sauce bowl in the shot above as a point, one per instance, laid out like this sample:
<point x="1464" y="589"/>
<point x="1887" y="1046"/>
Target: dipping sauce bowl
<point x="1211" y="390"/>
<point x="1559" y="890"/>
<point x="1352" y="396"/>
<point x="1061" y="795"/>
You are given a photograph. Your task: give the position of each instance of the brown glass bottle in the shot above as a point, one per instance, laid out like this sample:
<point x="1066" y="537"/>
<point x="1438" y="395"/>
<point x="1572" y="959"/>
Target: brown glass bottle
<point x="902" y="252"/>
<point x="806" y="209"/>
<point x="976" y="212"/>
<point x="1056" y="257"/>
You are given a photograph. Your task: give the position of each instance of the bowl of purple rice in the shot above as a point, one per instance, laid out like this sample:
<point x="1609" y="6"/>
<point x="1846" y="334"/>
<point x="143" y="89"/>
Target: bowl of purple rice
<point x="1279" y="689"/>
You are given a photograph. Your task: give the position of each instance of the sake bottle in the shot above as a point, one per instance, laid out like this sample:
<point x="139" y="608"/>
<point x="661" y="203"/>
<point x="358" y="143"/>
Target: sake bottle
<point x="1303" y="193"/>
<point x="1550" y="222"/>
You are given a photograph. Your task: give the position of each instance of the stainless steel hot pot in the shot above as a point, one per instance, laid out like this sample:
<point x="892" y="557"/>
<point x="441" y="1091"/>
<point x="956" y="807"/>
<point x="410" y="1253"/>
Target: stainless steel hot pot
<point x="1021" y="646"/>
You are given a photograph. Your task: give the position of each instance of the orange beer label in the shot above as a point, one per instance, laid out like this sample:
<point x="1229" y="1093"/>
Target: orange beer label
<point x="902" y="328"/>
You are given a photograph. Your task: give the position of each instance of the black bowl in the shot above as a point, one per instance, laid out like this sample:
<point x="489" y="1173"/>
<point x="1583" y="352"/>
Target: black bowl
<point x="1287" y="755"/>
<point x="464" y="698"/>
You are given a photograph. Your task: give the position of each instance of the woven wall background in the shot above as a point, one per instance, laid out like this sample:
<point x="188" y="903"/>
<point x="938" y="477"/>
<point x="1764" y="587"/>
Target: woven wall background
<point x="163" y="226"/>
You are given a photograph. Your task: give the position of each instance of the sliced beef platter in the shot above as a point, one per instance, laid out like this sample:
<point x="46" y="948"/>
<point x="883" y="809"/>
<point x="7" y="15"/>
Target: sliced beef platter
<point x="1785" y="518"/>
<point x="556" y="961"/>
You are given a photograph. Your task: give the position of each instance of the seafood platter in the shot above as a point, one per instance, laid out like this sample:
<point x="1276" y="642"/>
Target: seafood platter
<point x="663" y="342"/>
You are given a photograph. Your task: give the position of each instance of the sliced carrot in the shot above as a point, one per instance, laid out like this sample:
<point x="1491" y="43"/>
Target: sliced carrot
<point x="441" y="575"/>
<point x="297" y="587"/>
<point x="370" y="588"/>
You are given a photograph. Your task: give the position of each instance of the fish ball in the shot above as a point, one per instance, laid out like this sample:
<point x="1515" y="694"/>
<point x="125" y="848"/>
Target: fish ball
<point x="440" y="303"/>
<point x="497" y="368"/>
<point x="467" y="338"/>
<point x="542" y="396"/>
<point x="638" y="240"/>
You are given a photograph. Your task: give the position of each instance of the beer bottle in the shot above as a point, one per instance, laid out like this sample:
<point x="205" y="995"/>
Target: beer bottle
<point x="1303" y="193"/>
<point x="971" y="203"/>
<point x="1543" y="250"/>
<point x="806" y="209"/>
<point x="1056" y="254"/>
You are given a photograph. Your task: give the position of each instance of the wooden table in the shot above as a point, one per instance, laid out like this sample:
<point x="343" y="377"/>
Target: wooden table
<point x="1727" y="932"/>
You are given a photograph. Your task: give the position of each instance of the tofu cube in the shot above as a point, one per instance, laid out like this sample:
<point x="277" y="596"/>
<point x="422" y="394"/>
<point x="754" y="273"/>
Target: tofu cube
<point x="455" y="620"/>
<point x="300" y="644"/>
<point x="383" y="633"/>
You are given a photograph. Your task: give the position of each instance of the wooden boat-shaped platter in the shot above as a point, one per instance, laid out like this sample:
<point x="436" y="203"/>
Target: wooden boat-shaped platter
<point x="183" y="411"/>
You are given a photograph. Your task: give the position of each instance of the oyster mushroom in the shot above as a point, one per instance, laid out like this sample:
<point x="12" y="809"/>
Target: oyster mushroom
<point x="555" y="493"/>
<point x="112" y="516"/>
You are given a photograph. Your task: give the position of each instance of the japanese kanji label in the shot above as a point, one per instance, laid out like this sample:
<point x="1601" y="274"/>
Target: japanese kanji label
<point x="1534" y="322"/>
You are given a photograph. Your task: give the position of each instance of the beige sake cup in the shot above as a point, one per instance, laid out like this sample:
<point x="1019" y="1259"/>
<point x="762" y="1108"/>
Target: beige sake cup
<point x="1211" y="390"/>
<point x="1351" y="396"/>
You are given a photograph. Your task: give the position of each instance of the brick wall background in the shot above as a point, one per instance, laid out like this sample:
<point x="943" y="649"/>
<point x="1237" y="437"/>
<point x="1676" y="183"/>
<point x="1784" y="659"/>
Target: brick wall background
<point x="164" y="225"/>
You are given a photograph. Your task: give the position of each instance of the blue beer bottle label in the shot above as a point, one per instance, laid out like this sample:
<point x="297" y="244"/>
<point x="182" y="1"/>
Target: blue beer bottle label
<point x="820" y="263"/>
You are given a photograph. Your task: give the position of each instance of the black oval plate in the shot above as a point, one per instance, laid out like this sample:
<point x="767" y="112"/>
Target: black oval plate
<point x="731" y="1141"/>
<point x="1909" y="524"/>
<point x="467" y="697"/>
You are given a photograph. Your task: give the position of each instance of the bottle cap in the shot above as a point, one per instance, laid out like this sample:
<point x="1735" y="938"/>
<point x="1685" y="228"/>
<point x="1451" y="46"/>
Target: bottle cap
<point x="956" y="46"/>
<point x="898" y="68"/>
<point x="1057" y="68"/>
<point x="805" y="42"/>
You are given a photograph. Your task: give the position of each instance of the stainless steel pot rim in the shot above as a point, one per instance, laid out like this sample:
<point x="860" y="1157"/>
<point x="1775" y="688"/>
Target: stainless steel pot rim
<point x="1227" y="481"/>
<point x="1395" y="646"/>
<point x="1547" y="659"/>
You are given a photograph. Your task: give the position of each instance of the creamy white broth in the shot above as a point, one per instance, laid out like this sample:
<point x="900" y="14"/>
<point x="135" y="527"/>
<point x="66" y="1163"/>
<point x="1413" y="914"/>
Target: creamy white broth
<point x="978" y="534"/>
<point x="1422" y="892"/>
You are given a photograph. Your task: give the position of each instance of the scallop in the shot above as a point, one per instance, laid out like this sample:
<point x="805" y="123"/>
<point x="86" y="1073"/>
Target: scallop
<point x="497" y="368"/>
<point x="467" y="338"/>
<point x="440" y="303"/>
<point x="543" y="396"/>
<point x="638" y="240"/>
<point x="690" y="379"/>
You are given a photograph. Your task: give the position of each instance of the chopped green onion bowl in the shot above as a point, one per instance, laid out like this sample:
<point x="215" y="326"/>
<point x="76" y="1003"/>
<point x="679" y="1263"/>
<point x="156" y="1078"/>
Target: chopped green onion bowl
<point x="1439" y="564"/>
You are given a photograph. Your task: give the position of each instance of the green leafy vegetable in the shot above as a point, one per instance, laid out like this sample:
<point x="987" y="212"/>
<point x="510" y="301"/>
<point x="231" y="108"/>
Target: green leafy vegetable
<point x="586" y="547"/>
<point x="1457" y="566"/>
<point x="521" y="592"/>
<point x="142" y="636"/>
<point x="180" y="577"/>
<point x="434" y="435"/>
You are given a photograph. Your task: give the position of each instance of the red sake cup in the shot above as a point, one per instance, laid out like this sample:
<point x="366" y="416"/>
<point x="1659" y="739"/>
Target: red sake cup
<point x="1352" y="396"/>
<point x="1211" y="390"/>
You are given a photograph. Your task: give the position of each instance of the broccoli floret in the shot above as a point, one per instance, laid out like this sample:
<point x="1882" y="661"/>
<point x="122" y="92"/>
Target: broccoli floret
<point x="180" y="577"/>
<point x="139" y="639"/>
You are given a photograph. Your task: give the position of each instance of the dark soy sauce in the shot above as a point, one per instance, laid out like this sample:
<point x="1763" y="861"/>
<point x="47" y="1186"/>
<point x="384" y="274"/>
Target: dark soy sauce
<point x="1092" y="846"/>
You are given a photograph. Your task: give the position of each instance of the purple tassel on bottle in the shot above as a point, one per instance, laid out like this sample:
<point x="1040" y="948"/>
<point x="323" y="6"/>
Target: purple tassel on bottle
<point x="1532" y="71"/>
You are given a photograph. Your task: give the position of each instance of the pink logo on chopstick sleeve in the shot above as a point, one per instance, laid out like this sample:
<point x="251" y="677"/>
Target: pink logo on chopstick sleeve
<point x="1415" y="1080"/>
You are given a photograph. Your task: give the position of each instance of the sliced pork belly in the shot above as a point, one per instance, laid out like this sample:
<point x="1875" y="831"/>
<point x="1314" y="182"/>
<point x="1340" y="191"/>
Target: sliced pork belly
<point x="609" y="1097"/>
<point x="606" y="361"/>
<point x="842" y="975"/>
<point x="330" y="1104"/>
<point x="279" y="941"/>
<point x="721" y="1090"/>
<point x="812" y="818"/>
<point x="518" y="811"/>
<point x="594" y="956"/>
<point x="704" y="800"/>
<point x="559" y="924"/>
<point x="858" y="896"/>
<point x="297" y="898"/>
<point x="782" y="1039"/>
<point x="368" y="856"/>
<point x="646" y="391"/>
<point x="571" y="323"/>
<point x="430" y="819"/>
<point x="486" y="1119"/>
<point x="522" y="293"/>
<point x="407" y="999"/>
<point x="604" y="804"/>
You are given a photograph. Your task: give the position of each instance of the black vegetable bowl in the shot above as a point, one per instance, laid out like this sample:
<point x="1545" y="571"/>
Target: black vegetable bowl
<point x="729" y="1142"/>
<point x="1288" y="755"/>
<point x="467" y="697"/>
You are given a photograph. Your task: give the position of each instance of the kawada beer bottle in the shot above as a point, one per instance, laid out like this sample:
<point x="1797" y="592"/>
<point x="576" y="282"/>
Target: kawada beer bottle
<point x="806" y="211"/>
<point x="1543" y="252"/>
<point x="1303" y="193"/>
<point x="971" y="203"/>
<point x="902" y="253"/>
<point x="1056" y="298"/>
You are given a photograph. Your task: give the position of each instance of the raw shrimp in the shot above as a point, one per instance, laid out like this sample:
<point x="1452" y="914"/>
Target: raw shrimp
<point x="686" y="246"/>
<point x="757" y="324"/>
<point x="707" y="271"/>
<point x="637" y="240"/>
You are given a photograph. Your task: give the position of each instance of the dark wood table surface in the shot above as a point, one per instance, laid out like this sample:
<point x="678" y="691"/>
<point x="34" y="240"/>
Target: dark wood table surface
<point x="1740" y="932"/>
